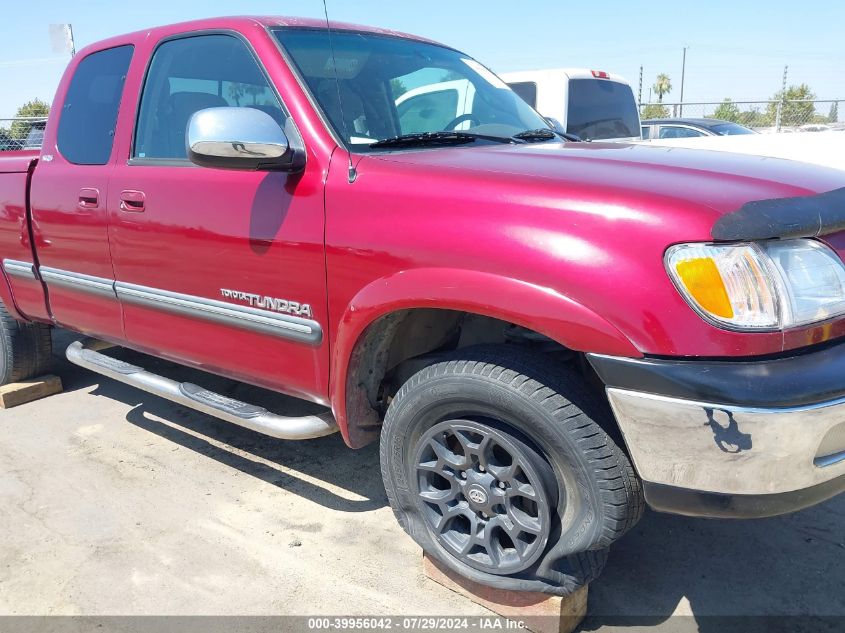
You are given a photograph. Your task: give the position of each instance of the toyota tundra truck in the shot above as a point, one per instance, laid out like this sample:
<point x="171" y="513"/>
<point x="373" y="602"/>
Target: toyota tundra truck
<point x="543" y="335"/>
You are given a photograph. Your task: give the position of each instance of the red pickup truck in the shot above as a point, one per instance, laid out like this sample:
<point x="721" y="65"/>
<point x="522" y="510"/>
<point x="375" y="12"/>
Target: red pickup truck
<point x="542" y="334"/>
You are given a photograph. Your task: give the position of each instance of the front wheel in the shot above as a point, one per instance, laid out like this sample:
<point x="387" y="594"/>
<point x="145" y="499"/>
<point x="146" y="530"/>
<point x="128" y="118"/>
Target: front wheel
<point x="494" y="465"/>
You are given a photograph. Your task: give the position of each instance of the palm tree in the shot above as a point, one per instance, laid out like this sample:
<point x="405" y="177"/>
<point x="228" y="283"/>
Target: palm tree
<point x="662" y="86"/>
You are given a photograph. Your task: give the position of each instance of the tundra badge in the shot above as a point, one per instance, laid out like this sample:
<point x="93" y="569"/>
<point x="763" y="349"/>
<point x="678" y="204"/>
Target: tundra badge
<point x="269" y="303"/>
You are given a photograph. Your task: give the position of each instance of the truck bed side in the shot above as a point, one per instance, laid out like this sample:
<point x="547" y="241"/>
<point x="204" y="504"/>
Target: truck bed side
<point x="22" y="291"/>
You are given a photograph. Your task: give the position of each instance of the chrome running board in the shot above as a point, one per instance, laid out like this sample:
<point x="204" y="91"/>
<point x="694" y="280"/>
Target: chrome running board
<point x="187" y="394"/>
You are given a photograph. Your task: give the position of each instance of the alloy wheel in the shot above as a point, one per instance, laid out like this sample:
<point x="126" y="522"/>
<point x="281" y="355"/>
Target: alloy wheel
<point x="483" y="495"/>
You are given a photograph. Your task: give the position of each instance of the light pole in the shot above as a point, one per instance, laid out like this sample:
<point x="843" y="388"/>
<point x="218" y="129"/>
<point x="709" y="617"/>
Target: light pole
<point x="640" y="93"/>
<point x="683" y="73"/>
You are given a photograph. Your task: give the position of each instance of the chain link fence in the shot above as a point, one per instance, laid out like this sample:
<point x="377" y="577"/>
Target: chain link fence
<point x="21" y="133"/>
<point x="763" y="116"/>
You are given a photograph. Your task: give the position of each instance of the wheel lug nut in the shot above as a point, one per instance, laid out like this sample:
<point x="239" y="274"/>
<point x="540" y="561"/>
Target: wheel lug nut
<point x="481" y="468"/>
<point x="501" y="484"/>
<point x="464" y="474"/>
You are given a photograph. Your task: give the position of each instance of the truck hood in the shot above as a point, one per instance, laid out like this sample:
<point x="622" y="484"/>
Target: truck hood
<point x="633" y="175"/>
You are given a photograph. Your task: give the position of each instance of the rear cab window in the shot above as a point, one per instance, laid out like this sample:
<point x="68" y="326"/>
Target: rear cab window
<point x="601" y="109"/>
<point x="89" y="112"/>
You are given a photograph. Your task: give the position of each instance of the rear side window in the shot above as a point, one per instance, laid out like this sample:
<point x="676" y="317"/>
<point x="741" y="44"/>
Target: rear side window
<point x="89" y="113"/>
<point x="527" y="91"/>
<point x="192" y="74"/>
<point x="673" y="131"/>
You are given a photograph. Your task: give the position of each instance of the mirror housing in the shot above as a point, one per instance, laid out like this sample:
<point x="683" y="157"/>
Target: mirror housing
<point x="241" y="138"/>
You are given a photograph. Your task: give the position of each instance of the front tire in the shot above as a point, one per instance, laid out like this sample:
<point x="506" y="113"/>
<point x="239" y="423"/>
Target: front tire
<point x="494" y="465"/>
<point x="25" y="348"/>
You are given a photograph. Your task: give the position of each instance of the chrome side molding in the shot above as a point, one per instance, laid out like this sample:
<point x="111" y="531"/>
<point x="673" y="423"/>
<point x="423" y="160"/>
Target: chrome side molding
<point x="78" y="281"/>
<point x="192" y="396"/>
<point x="269" y="322"/>
<point x="244" y="317"/>
<point x="21" y="270"/>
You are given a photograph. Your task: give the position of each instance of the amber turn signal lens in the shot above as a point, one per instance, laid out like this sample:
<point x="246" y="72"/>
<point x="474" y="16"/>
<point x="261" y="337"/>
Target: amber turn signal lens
<point x="704" y="283"/>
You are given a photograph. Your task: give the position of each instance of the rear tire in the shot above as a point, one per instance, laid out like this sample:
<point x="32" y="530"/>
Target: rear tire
<point x="25" y="348"/>
<point x="494" y="465"/>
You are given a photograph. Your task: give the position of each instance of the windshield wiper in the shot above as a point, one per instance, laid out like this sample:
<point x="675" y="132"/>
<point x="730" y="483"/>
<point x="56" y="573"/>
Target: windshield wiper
<point x="422" y="139"/>
<point x="544" y="134"/>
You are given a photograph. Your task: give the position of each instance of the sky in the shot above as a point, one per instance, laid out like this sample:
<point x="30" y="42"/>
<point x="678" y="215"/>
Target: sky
<point x="736" y="49"/>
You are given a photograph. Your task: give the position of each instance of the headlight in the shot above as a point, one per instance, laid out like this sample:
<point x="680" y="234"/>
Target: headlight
<point x="760" y="286"/>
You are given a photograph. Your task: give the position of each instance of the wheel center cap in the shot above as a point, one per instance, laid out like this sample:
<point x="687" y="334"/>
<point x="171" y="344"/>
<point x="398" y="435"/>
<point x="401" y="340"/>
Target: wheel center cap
<point x="477" y="494"/>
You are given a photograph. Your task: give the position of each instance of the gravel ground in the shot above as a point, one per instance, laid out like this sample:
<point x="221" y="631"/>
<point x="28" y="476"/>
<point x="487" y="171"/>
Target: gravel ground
<point x="115" y="502"/>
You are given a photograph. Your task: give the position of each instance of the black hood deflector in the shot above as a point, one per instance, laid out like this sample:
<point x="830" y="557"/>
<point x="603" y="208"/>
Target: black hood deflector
<point x="801" y="216"/>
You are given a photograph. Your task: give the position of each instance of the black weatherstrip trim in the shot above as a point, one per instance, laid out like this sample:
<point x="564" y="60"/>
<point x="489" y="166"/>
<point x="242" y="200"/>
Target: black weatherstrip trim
<point x="791" y="381"/>
<point x="800" y="216"/>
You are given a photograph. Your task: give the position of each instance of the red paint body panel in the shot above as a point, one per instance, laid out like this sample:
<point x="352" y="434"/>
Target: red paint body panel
<point x="25" y="296"/>
<point x="566" y="239"/>
<point x="255" y="232"/>
<point x="590" y="222"/>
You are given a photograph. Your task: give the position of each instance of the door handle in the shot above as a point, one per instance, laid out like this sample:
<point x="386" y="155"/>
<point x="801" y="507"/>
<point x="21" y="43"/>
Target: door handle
<point x="88" y="198"/>
<point x="132" y="201"/>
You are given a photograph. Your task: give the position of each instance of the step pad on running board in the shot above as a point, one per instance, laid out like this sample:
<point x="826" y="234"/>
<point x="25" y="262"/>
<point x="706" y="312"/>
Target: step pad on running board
<point x="107" y="362"/>
<point x="221" y="402"/>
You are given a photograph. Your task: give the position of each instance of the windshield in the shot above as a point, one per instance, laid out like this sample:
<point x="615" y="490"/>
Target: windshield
<point x="601" y="109"/>
<point x="390" y="86"/>
<point x="730" y="129"/>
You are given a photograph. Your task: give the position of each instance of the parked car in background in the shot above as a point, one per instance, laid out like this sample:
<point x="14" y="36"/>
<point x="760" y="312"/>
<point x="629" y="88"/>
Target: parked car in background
<point x="815" y="127"/>
<point x="691" y="128"/>
<point x="826" y="148"/>
<point x="593" y="104"/>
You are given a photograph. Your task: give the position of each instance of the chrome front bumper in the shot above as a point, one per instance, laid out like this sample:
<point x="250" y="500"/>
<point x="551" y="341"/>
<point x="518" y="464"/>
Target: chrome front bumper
<point x="706" y="457"/>
<point x="729" y="449"/>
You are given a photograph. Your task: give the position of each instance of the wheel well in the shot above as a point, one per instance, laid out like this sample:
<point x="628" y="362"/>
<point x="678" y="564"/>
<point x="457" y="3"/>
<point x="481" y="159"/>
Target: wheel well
<point x="399" y="344"/>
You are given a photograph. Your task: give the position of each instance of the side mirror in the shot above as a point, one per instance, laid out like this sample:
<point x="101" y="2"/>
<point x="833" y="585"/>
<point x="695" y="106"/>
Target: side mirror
<point x="240" y="138"/>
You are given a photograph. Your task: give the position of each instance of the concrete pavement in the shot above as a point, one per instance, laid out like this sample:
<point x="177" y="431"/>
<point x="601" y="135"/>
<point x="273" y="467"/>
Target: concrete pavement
<point x="116" y="502"/>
